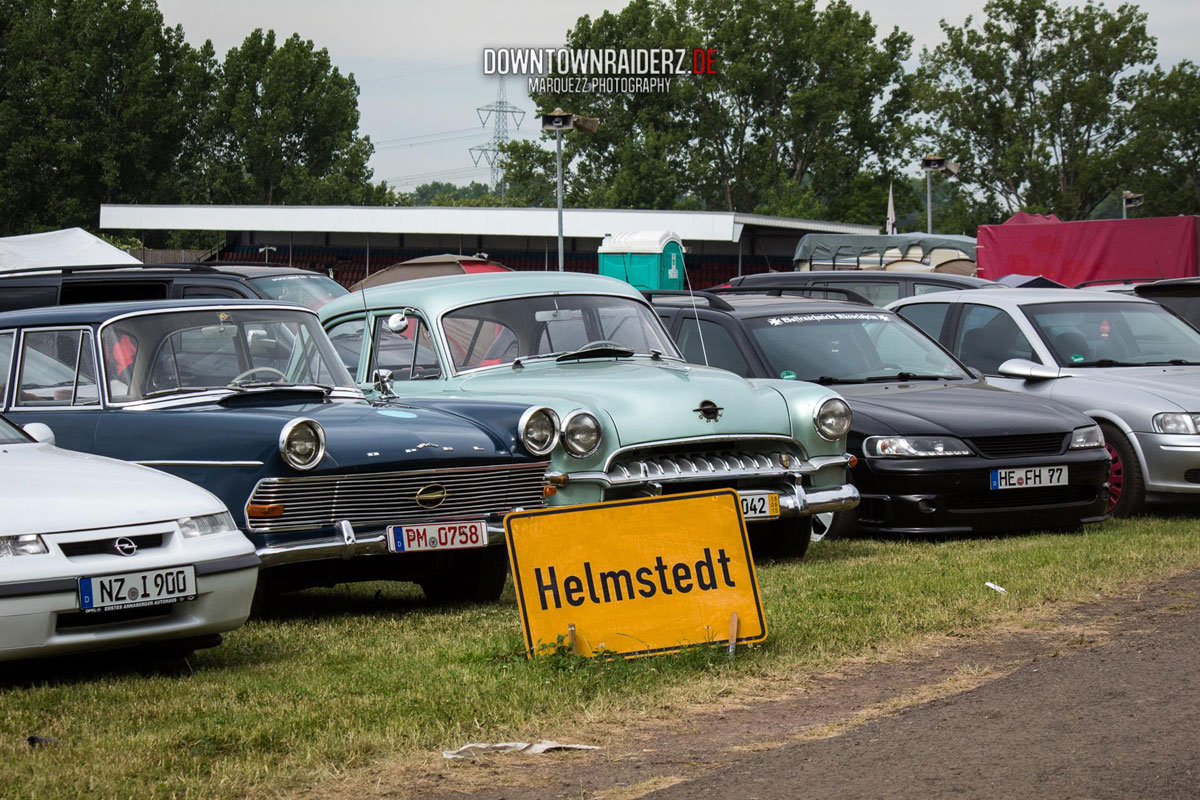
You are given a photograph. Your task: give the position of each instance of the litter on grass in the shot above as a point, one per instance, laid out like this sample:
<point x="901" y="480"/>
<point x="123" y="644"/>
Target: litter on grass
<point x="526" y="748"/>
<point x="999" y="589"/>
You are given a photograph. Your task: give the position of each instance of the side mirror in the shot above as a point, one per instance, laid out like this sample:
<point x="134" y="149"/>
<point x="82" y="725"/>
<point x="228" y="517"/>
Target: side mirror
<point x="1028" y="370"/>
<point x="41" y="432"/>
<point x="381" y="380"/>
<point x="397" y="323"/>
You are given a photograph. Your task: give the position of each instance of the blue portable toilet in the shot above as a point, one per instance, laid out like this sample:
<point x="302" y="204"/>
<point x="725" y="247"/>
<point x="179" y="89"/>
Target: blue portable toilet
<point x="645" y="259"/>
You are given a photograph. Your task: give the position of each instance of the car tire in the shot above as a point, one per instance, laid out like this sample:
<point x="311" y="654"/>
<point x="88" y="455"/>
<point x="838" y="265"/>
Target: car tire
<point x="468" y="577"/>
<point x="785" y="539"/>
<point x="1126" y="486"/>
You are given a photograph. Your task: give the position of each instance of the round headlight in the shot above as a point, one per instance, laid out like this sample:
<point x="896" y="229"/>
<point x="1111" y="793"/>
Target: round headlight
<point x="538" y="430"/>
<point x="581" y="434"/>
<point x="302" y="443"/>
<point x="833" y="419"/>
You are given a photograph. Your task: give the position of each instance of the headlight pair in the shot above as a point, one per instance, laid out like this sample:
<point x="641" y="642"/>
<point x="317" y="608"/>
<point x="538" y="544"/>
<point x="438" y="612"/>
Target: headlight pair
<point x="933" y="446"/>
<point x="540" y="429"/>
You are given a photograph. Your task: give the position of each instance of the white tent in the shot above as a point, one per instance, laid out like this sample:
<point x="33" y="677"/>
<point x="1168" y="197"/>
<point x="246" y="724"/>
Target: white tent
<point x="67" y="248"/>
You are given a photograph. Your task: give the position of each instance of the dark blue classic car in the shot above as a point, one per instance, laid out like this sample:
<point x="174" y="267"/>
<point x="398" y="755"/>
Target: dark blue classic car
<point x="249" y="400"/>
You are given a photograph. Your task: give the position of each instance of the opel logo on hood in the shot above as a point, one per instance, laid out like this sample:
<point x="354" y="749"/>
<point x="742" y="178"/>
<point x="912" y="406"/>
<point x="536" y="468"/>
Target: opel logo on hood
<point x="708" y="410"/>
<point x="124" y="546"/>
<point x="431" y="496"/>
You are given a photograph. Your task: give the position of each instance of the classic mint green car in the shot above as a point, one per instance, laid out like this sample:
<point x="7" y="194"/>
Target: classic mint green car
<point x="619" y="413"/>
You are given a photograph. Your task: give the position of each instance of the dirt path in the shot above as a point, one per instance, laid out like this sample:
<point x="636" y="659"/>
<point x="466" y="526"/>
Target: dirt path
<point x="1105" y="702"/>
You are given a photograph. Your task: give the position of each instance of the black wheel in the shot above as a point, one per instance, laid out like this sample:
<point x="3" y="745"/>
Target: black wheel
<point x="834" y="524"/>
<point x="1126" y="487"/>
<point x="475" y="576"/>
<point x="783" y="539"/>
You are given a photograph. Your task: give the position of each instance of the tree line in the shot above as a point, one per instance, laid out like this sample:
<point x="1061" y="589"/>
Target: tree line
<point x="813" y="113"/>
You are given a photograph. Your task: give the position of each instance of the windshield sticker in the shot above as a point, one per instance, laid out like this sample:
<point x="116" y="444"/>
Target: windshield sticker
<point x="788" y="375"/>
<point x="278" y="278"/>
<point x="851" y="315"/>
<point x="1076" y="358"/>
<point x="1105" y="328"/>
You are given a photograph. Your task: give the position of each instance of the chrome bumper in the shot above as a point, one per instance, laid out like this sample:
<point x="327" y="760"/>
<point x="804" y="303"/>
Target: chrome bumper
<point x="805" y="503"/>
<point x="346" y="545"/>
<point x="682" y="470"/>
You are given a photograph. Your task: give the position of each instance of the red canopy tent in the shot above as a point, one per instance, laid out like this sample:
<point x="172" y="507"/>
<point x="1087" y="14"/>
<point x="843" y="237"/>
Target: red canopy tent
<point x="1093" y="250"/>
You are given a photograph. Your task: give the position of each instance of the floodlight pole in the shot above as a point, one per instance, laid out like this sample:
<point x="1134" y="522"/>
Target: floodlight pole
<point x="558" y="148"/>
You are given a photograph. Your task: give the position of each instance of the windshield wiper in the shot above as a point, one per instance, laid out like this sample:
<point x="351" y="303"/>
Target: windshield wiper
<point x="605" y="351"/>
<point x="1174" y="362"/>
<point x="827" y="380"/>
<point x="187" y="390"/>
<point x="911" y="376"/>
<point x="1108" y="362"/>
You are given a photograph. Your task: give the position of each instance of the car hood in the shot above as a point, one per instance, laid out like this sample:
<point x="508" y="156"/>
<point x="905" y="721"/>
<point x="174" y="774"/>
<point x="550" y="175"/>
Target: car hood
<point x="50" y="490"/>
<point x="645" y="400"/>
<point x="1178" y="386"/>
<point x="956" y="410"/>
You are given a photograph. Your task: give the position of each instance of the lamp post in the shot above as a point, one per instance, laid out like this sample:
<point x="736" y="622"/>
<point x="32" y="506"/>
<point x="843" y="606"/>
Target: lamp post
<point x="1130" y="200"/>
<point x="932" y="164"/>
<point x="559" y="121"/>
<point x="267" y="249"/>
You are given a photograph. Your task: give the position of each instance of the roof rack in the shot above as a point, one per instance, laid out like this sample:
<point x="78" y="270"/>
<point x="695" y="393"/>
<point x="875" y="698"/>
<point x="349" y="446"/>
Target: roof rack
<point x="108" y="267"/>
<point x="780" y="290"/>
<point x="1119" y="281"/>
<point x="713" y="301"/>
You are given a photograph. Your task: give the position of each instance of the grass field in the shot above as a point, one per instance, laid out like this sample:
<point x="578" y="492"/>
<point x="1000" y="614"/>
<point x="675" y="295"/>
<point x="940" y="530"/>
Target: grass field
<point x="346" y="676"/>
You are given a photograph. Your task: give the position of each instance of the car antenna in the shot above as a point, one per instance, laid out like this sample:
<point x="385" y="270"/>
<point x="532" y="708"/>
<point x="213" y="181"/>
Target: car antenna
<point x="688" y="279"/>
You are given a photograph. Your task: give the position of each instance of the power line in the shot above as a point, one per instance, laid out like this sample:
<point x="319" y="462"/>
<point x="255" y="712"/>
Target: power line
<point x="490" y="151"/>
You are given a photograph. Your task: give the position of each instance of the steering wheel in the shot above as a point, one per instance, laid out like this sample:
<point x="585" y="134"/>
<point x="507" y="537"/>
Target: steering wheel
<point x="604" y="343"/>
<point x="253" y="370"/>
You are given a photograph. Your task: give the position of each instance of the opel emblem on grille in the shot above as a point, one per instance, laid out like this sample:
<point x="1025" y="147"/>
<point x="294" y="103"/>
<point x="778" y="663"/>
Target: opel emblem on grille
<point x="431" y="496"/>
<point x="708" y="410"/>
<point x="124" y="546"/>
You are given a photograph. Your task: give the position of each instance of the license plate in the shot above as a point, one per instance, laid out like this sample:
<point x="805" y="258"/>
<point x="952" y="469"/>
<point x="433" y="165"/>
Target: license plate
<point x="436" y="536"/>
<point x="136" y="589"/>
<point x="764" y="505"/>
<point x="1028" y="477"/>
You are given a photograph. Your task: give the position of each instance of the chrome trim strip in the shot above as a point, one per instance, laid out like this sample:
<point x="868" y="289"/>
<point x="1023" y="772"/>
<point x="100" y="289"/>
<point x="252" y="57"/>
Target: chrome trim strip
<point x="335" y="547"/>
<point x="231" y="564"/>
<point x="199" y="463"/>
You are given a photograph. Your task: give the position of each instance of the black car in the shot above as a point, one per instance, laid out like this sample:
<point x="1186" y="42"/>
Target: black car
<point x="55" y="286"/>
<point x="939" y="451"/>
<point x="879" y="286"/>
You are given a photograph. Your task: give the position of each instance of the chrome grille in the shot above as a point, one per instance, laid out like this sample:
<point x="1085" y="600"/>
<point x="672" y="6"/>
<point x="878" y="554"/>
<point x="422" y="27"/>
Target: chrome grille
<point x="389" y="498"/>
<point x="704" y="465"/>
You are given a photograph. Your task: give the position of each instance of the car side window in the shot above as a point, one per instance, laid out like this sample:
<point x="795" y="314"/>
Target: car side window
<point x="210" y="291"/>
<point x="987" y="337"/>
<point x="878" y="292"/>
<point x="929" y="317"/>
<point x="409" y="354"/>
<point x="347" y="338"/>
<point x="718" y="343"/>
<point x="6" y="345"/>
<point x="920" y="288"/>
<point x="58" y="368"/>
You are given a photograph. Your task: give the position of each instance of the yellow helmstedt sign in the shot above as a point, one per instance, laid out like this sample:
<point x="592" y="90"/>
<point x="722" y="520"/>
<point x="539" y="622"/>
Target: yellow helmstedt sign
<point x="635" y="577"/>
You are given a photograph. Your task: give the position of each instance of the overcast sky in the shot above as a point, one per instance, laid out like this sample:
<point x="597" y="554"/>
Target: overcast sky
<point x="419" y="63"/>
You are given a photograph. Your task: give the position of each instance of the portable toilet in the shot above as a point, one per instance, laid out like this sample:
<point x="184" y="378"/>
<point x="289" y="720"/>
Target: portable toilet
<point x="645" y="259"/>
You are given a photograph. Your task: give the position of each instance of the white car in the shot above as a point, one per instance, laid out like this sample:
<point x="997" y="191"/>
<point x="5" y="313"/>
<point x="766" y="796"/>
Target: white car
<point x="97" y="553"/>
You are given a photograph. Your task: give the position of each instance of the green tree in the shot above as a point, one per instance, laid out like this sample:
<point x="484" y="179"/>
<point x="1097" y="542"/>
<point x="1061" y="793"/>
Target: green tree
<point x="1164" y="161"/>
<point x="98" y="102"/>
<point x="284" y="129"/>
<point x="441" y="193"/>
<point x="804" y="102"/>
<point x="1035" y="102"/>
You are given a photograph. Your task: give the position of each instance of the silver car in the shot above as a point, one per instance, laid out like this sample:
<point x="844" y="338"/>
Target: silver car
<point x="97" y="553"/>
<point x="1124" y="361"/>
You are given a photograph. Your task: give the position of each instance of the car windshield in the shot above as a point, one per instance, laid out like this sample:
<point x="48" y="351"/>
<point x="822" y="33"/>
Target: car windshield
<point x="312" y="291"/>
<point x="1107" y="333"/>
<point x="850" y="347"/>
<point x="10" y="434"/>
<point x="181" y="351"/>
<point x="502" y="331"/>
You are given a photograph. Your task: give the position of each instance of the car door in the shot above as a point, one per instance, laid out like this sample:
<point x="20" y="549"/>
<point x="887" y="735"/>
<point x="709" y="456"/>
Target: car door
<point x="55" y="381"/>
<point x="984" y="337"/>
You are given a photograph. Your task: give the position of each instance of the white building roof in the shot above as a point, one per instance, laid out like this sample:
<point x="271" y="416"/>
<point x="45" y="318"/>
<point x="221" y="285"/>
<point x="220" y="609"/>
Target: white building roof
<point x="65" y="248"/>
<point x="713" y="226"/>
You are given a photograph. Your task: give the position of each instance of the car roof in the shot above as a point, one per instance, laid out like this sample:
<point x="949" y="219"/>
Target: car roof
<point x="95" y="313"/>
<point x="447" y="291"/>
<point x="1020" y="297"/>
<point x="163" y="270"/>
<point x="759" y="305"/>
<point x="868" y="275"/>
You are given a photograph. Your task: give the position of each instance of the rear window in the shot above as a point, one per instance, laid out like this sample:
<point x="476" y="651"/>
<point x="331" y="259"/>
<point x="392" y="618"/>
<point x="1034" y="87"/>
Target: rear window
<point x="312" y="290"/>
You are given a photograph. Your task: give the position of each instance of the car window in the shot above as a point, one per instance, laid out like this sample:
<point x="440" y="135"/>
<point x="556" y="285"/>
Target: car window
<point x="6" y="346"/>
<point x="58" y="368"/>
<point x="210" y="291"/>
<point x="409" y="354"/>
<point x="878" y="292"/>
<point x="312" y="290"/>
<point x="14" y="297"/>
<point x="929" y="317"/>
<point x="1134" y="333"/>
<point x="987" y="337"/>
<point x="107" y="291"/>
<point x="717" y="342"/>
<point x="930" y="288"/>
<point x="347" y="340"/>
